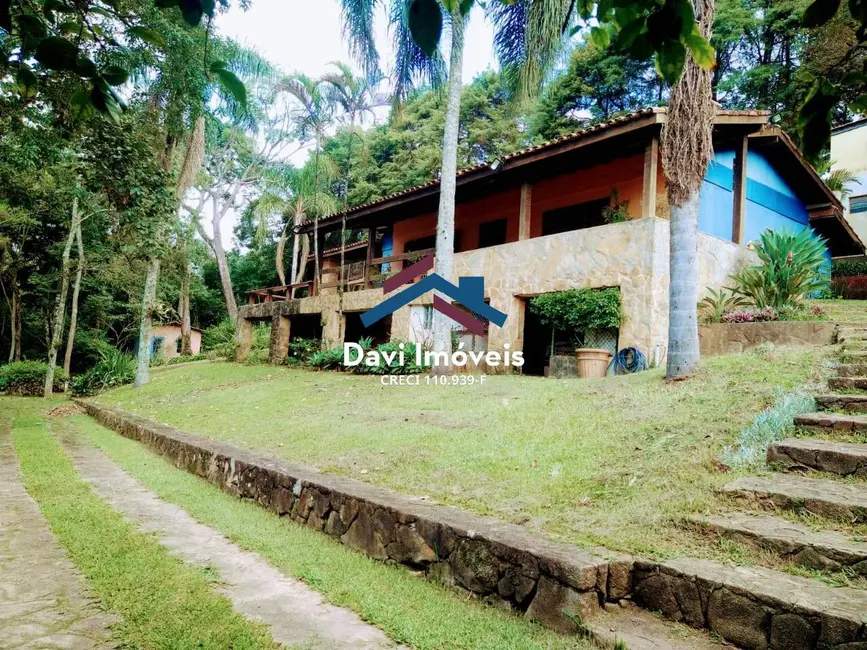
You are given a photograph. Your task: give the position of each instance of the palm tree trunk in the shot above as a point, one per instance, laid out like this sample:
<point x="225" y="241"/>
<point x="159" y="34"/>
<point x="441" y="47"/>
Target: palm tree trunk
<point x="317" y="277"/>
<point x="342" y="288"/>
<point x="687" y="149"/>
<point x="225" y="276"/>
<point x="73" y="316"/>
<point x="445" y="241"/>
<point x="142" y="371"/>
<point x="59" y="315"/>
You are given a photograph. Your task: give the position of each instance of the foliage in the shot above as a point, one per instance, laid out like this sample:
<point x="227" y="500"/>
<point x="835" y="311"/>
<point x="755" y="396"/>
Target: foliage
<point x="333" y="359"/>
<point x="771" y="425"/>
<point x="579" y="310"/>
<point x="115" y="369"/>
<point x="718" y="303"/>
<point x="27" y="378"/>
<point x="841" y="180"/>
<point x="302" y="349"/>
<point x="850" y="287"/>
<point x="845" y="268"/>
<point x="791" y="268"/>
<point x="751" y="316"/>
<point x="617" y="211"/>
<point x="329" y="360"/>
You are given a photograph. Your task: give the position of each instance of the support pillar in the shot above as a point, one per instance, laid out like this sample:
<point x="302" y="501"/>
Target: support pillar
<point x="739" y="191"/>
<point x="648" y="195"/>
<point x="371" y="253"/>
<point x="525" y="212"/>
<point x="243" y="339"/>
<point x="279" y="339"/>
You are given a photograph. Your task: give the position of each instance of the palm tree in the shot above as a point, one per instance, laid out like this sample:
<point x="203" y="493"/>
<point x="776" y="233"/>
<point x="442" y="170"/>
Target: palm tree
<point x="312" y="119"/>
<point x="687" y="149"/>
<point x="356" y="97"/>
<point x="528" y="35"/>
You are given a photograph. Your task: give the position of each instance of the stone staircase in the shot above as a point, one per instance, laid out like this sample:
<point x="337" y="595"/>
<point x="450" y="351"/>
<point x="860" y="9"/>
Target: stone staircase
<point x="822" y="477"/>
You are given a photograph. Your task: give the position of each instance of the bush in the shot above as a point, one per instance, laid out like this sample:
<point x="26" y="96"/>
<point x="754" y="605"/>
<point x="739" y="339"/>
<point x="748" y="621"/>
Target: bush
<point x="333" y="359"/>
<point x="218" y="341"/>
<point x="719" y="303"/>
<point x="115" y="369"/>
<point x="851" y="287"/>
<point x="844" y="269"/>
<point x="791" y="268"/>
<point x="301" y="349"/>
<point x="579" y="310"/>
<point x="27" y="378"/>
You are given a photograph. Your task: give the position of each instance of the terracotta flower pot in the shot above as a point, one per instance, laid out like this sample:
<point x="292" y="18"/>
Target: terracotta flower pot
<point x="592" y="362"/>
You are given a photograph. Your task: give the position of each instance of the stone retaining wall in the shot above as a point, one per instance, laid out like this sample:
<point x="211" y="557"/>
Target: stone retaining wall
<point x="552" y="583"/>
<point x="731" y="338"/>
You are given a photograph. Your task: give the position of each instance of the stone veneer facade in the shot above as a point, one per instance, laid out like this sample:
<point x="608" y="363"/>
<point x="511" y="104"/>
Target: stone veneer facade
<point x="632" y="255"/>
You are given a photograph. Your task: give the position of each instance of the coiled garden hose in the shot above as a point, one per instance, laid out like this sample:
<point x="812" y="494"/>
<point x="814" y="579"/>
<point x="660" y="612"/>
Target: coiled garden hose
<point x="628" y="361"/>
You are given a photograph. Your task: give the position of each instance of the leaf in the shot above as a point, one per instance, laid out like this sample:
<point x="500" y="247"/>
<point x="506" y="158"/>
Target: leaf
<point x="670" y="59"/>
<point x="114" y="75"/>
<point x="56" y="53"/>
<point x="80" y="106"/>
<point x="600" y="37"/>
<point x="860" y="104"/>
<point x="702" y="51"/>
<point x="425" y="24"/>
<point x="814" y="119"/>
<point x="27" y="82"/>
<point x="85" y="67"/>
<point x="218" y="65"/>
<point x="192" y="12"/>
<point x="628" y="33"/>
<point x="104" y="102"/>
<point x="149" y="36"/>
<point x="820" y="12"/>
<point x="230" y="82"/>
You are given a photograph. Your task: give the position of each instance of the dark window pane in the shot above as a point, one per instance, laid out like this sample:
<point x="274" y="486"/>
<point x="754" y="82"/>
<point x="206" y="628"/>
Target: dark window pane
<point x="492" y="233"/>
<point x="574" y="217"/>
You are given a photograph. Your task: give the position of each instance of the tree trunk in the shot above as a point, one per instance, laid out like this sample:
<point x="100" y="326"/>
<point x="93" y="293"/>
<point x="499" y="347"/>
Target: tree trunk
<point x="317" y="278"/>
<point x="184" y="311"/>
<point x="17" y="321"/>
<point x="687" y="149"/>
<point x="225" y="277"/>
<point x="73" y="316"/>
<point x="142" y="371"/>
<point x="445" y="242"/>
<point x="60" y="306"/>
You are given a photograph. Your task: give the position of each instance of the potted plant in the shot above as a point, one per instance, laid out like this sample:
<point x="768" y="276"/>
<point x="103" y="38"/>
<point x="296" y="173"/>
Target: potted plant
<point x="589" y="315"/>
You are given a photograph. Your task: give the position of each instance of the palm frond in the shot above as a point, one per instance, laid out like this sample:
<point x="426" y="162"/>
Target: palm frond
<point x="358" y="29"/>
<point x="839" y="180"/>
<point x="412" y="64"/>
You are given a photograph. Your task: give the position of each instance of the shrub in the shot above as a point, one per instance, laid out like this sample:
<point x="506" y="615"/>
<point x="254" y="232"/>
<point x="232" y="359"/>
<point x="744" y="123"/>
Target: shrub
<point x="332" y="359"/>
<point x="851" y="287"/>
<point x="847" y="268"/>
<point x="218" y="341"/>
<point x="27" y="378"/>
<point x="115" y="369"/>
<point x="579" y="310"/>
<point x="751" y="316"/>
<point x="718" y="303"/>
<point x="408" y="367"/>
<point x="302" y="349"/>
<point x="791" y="268"/>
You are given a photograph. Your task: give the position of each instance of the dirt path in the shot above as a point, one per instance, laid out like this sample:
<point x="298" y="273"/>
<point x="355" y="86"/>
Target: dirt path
<point x="43" y="602"/>
<point x="297" y="615"/>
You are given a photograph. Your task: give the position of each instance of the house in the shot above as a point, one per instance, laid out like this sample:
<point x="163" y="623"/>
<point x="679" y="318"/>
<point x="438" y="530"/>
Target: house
<point x="166" y="340"/>
<point x="849" y="151"/>
<point x="534" y="223"/>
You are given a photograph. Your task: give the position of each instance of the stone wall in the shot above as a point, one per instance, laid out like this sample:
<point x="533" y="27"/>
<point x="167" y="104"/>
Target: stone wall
<point x="552" y="583"/>
<point x="731" y="338"/>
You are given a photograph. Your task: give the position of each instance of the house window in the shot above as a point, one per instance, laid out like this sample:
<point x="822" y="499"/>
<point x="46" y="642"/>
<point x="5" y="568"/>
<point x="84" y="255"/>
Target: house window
<point x="574" y="217"/>
<point x="178" y="344"/>
<point x="427" y="316"/>
<point x="858" y="204"/>
<point x="425" y="243"/>
<point x="492" y="233"/>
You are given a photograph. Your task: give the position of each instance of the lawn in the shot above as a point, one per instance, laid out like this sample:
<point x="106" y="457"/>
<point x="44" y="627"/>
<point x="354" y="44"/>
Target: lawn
<point x="843" y="311"/>
<point x="613" y="462"/>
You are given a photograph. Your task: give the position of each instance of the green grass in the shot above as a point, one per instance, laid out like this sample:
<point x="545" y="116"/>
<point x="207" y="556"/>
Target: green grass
<point x="843" y="311"/>
<point x="611" y="462"/>
<point x="409" y="609"/>
<point x="160" y="602"/>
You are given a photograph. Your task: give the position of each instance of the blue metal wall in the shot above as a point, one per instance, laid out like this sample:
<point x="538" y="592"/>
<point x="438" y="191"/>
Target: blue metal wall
<point x="771" y="202"/>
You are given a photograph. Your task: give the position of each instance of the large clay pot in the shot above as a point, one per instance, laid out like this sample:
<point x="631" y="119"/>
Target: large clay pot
<point x="592" y="362"/>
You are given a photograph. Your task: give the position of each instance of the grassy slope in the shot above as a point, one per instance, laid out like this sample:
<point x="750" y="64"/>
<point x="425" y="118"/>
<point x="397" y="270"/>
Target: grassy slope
<point x="606" y="462"/>
<point x="843" y="311"/>
<point x="409" y="609"/>
<point x="160" y="602"/>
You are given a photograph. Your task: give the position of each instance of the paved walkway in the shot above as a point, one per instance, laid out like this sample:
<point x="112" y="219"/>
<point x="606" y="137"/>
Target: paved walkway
<point x="43" y="602"/>
<point x="296" y="614"/>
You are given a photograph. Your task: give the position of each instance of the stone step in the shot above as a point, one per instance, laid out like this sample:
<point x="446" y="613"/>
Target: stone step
<point x="843" y="458"/>
<point x="853" y="356"/>
<point x="849" y="403"/>
<point x="637" y="629"/>
<point x="847" y="383"/>
<point x="825" y="550"/>
<point x="851" y="370"/>
<point x="754" y="607"/>
<point x="831" y="499"/>
<point x="823" y="421"/>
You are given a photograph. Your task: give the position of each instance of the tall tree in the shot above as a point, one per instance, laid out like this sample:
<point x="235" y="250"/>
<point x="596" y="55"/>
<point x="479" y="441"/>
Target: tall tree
<point x="687" y="149"/>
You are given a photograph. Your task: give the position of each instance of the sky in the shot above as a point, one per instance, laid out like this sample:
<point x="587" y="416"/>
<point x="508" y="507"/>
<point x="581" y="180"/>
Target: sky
<point x="305" y="36"/>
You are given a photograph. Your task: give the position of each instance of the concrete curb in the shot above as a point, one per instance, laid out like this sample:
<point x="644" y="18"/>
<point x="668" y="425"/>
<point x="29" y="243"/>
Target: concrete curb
<point x="555" y="584"/>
